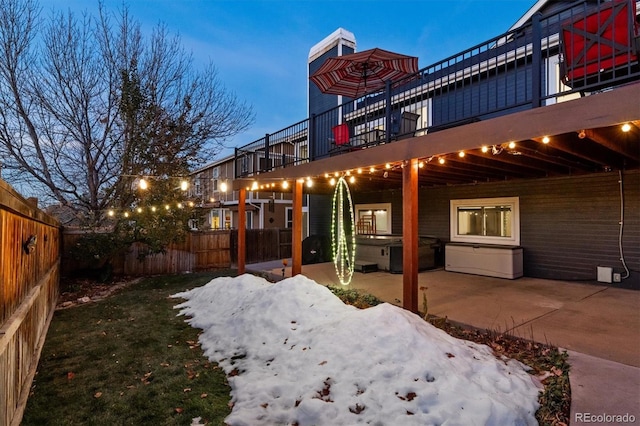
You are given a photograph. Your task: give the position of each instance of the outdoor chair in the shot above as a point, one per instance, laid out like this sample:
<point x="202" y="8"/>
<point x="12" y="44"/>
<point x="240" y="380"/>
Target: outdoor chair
<point x="600" y="46"/>
<point x="341" y="141"/>
<point x="403" y="125"/>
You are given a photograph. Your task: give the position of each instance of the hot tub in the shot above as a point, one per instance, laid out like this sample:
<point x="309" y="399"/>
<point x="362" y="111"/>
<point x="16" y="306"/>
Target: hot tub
<point x="386" y="251"/>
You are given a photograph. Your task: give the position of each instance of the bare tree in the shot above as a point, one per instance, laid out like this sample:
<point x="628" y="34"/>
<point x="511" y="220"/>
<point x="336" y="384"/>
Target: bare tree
<point x="88" y="103"/>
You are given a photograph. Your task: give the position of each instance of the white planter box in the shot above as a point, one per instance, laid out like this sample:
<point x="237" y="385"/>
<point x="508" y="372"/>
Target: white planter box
<point x="489" y="260"/>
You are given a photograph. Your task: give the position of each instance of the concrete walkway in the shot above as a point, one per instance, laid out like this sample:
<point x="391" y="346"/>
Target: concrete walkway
<point x="598" y="325"/>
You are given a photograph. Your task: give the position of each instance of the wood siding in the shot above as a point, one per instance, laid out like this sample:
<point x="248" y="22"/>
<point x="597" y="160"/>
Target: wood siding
<point x="568" y="226"/>
<point x="28" y="295"/>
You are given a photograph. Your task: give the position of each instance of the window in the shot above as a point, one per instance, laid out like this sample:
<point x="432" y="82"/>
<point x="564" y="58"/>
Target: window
<point x="486" y="221"/>
<point x="288" y="220"/>
<point x="197" y="185"/>
<point x="373" y="218"/>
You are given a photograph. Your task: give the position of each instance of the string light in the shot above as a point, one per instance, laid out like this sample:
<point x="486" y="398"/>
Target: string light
<point x="285" y="184"/>
<point x="142" y="184"/>
<point x="343" y="248"/>
<point x="626" y="127"/>
<point x="512" y="145"/>
<point x="485" y="149"/>
<point x="461" y="154"/>
<point x="184" y="185"/>
<point x="545" y="139"/>
<point x="441" y="160"/>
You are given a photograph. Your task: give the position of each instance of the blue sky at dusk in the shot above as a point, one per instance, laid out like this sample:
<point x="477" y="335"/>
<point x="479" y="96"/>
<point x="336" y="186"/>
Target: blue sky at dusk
<point x="260" y="48"/>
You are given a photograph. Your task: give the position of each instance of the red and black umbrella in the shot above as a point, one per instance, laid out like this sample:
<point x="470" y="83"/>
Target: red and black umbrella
<point x="355" y="74"/>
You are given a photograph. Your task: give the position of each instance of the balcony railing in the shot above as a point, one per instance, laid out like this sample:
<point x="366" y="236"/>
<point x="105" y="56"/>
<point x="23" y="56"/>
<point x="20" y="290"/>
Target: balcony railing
<point x="576" y="50"/>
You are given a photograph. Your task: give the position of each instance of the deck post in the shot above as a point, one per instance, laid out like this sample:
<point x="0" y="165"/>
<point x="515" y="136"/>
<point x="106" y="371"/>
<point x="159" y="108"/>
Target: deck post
<point x="242" y="226"/>
<point x="296" y="237"/>
<point x="410" y="235"/>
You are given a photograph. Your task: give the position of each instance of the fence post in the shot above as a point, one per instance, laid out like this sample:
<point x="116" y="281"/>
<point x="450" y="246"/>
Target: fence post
<point x="536" y="62"/>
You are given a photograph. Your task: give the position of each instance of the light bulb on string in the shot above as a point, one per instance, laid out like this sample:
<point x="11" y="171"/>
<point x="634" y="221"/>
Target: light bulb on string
<point x="143" y="184"/>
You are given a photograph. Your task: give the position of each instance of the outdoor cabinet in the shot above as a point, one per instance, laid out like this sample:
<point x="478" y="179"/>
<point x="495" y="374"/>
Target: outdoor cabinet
<point x="489" y="260"/>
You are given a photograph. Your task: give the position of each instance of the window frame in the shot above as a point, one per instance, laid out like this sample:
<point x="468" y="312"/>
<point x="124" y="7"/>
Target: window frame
<point x="376" y="206"/>
<point x="513" y="240"/>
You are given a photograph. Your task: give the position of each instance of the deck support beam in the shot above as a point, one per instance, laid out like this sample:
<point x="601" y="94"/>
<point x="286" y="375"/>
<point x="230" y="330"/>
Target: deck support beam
<point x="296" y="237"/>
<point x="242" y="226"/>
<point x="410" y="235"/>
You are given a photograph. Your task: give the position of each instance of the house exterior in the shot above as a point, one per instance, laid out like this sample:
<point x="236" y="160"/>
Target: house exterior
<point x="528" y="142"/>
<point x="212" y="190"/>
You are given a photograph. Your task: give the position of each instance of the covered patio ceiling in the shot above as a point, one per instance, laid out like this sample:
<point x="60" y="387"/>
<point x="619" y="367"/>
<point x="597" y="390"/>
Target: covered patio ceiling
<point x="571" y="138"/>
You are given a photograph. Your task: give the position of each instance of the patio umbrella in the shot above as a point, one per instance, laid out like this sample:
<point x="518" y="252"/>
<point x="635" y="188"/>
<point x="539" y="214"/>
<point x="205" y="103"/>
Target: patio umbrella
<point x="356" y="74"/>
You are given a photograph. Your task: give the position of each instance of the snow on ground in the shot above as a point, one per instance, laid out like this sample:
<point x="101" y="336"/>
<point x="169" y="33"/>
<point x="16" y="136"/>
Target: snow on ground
<point x="303" y="357"/>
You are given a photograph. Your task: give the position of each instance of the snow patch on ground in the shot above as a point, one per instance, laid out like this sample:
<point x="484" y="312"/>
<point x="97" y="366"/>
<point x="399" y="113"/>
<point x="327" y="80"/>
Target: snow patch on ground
<point x="297" y="355"/>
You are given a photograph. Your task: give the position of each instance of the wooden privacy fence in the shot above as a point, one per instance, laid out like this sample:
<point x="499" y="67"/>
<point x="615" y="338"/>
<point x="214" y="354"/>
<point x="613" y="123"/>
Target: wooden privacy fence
<point x="201" y="250"/>
<point x="30" y="274"/>
<point x="263" y="244"/>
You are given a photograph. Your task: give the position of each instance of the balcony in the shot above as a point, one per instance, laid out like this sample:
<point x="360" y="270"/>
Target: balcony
<point x="582" y="49"/>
